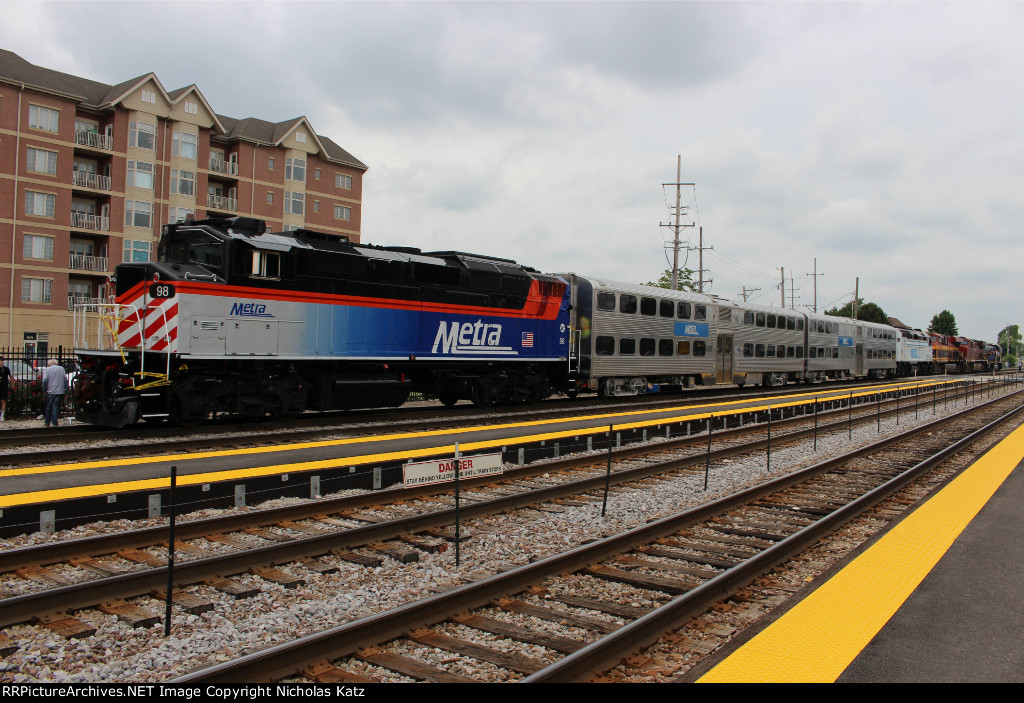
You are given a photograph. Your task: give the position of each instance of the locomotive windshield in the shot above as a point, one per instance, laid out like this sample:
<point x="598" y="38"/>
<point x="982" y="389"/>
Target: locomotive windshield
<point x="194" y="247"/>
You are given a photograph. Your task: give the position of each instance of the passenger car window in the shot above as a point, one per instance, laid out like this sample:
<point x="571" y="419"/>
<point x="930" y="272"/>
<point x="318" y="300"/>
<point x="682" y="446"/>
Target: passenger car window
<point x="606" y="301"/>
<point x="604" y="346"/>
<point x="646" y="346"/>
<point x="683" y="311"/>
<point x="700" y="312"/>
<point x="627" y="304"/>
<point x="664" y="347"/>
<point x="627" y="346"/>
<point x="699" y="348"/>
<point x="683" y="348"/>
<point x="666" y="308"/>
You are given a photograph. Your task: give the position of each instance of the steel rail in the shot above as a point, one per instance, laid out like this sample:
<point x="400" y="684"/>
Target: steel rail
<point x="288" y="659"/>
<point x="38" y="555"/>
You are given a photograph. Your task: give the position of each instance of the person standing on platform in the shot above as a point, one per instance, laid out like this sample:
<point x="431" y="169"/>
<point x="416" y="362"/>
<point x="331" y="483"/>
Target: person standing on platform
<point x="55" y="385"/>
<point x="5" y="387"/>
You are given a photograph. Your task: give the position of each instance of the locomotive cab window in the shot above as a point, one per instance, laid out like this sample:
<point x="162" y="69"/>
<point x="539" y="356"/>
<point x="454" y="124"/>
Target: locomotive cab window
<point x="606" y="301"/>
<point x="266" y="264"/>
<point x="194" y="248"/>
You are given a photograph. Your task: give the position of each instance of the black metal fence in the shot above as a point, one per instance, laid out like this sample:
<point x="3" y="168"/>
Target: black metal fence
<point x="25" y="397"/>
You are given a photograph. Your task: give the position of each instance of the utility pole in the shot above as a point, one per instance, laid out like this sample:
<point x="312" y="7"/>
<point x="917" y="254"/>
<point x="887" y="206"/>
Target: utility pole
<point x="748" y="292"/>
<point x="676" y="227"/>
<point x="700" y="259"/>
<point x="782" y="286"/>
<point x="815" y="275"/>
<point x="856" y="296"/>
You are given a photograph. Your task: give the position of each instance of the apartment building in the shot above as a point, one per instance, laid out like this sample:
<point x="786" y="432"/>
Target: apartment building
<point x="90" y="172"/>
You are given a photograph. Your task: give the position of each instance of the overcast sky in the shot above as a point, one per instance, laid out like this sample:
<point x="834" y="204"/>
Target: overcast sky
<point x="885" y="139"/>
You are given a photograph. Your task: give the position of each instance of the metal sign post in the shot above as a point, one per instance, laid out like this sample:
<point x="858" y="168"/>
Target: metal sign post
<point x="171" y="509"/>
<point x="458" y="532"/>
<point x="608" y="475"/>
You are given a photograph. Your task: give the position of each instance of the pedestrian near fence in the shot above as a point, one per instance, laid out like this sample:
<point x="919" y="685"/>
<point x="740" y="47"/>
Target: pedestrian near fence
<point x="55" y="385"/>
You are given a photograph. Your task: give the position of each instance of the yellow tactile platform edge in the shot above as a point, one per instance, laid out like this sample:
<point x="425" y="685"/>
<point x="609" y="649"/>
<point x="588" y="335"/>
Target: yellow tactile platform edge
<point x="818" y="638"/>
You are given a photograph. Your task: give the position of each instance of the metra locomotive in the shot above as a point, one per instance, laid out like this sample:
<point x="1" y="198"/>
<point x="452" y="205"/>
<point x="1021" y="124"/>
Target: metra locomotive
<point x="233" y="319"/>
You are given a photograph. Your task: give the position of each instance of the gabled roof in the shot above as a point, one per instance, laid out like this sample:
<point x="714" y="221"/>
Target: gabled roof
<point x="16" y="70"/>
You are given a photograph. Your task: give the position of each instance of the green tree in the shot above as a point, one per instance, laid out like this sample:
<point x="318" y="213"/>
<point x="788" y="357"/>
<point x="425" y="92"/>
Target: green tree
<point x="944" y="323"/>
<point x="869" y="312"/>
<point x="685" y="281"/>
<point x="1009" y="343"/>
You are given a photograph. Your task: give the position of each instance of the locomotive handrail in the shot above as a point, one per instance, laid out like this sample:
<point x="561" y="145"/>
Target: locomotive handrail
<point x="112" y="321"/>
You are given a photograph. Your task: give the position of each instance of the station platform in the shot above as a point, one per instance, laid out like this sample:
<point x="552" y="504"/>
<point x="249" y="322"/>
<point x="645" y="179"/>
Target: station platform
<point x="41" y="485"/>
<point x="936" y="598"/>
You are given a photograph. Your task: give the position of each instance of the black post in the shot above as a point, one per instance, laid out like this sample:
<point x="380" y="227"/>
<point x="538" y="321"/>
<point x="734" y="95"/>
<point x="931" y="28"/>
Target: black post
<point x="815" y="424"/>
<point x="608" y="476"/>
<point x="897" y="405"/>
<point x="768" y="464"/>
<point x="917" y="399"/>
<point x="849" y="417"/>
<point x="171" y="509"/>
<point x="707" y="461"/>
<point x="458" y="531"/>
<point x="878" y="414"/>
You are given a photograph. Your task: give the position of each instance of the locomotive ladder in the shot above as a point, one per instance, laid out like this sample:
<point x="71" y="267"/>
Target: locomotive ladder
<point x="111" y="315"/>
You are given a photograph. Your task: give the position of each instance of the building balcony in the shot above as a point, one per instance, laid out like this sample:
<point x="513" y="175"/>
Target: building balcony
<point x="84" y="304"/>
<point x="83" y="179"/>
<point x="94" y="140"/>
<point x="81" y="262"/>
<point x="83" y="220"/>
<point x="220" y="202"/>
<point x="228" y="168"/>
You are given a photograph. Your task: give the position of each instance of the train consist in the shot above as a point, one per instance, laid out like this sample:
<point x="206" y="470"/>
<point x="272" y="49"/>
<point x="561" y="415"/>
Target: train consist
<point x="233" y="319"/>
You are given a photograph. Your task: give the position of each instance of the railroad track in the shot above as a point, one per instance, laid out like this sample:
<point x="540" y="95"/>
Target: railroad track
<point x="556" y="620"/>
<point x="39" y="446"/>
<point x="278" y="536"/>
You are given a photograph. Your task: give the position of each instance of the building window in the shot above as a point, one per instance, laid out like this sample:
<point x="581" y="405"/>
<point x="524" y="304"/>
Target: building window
<point x="270" y="163"/>
<point x="141" y="135"/>
<point x="140" y="175"/>
<point x="295" y="169"/>
<point x="191" y="108"/>
<point x="38" y="247"/>
<point x="300" y="137"/>
<point x="36" y="290"/>
<point x="148" y="96"/>
<point x="138" y="214"/>
<point x="43" y="118"/>
<point x="291" y="228"/>
<point x="317" y="174"/>
<point x="184" y="145"/>
<point x="270" y="197"/>
<point x="40" y="161"/>
<point x="40" y="204"/>
<point x="178" y="214"/>
<point x="183" y="182"/>
<point x="136" y="250"/>
<point x="345" y="213"/>
<point x="294" y="203"/>
<point x="316" y="206"/>
<point x="342" y="181"/>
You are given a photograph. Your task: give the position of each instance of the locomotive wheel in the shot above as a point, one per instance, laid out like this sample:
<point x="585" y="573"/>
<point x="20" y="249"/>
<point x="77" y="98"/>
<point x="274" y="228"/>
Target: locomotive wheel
<point x="572" y="393"/>
<point x="482" y="397"/>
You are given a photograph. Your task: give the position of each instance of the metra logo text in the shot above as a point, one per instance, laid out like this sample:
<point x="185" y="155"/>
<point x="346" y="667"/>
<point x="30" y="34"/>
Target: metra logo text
<point x="249" y="310"/>
<point x="469" y="338"/>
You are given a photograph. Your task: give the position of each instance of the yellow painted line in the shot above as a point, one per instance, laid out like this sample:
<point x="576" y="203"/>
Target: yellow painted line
<point x="822" y="634"/>
<point x="77" y="466"/>
<point x="33" y="497"/>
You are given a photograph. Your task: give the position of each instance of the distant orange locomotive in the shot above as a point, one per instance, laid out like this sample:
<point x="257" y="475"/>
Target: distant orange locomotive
<point x="961" y="354"/>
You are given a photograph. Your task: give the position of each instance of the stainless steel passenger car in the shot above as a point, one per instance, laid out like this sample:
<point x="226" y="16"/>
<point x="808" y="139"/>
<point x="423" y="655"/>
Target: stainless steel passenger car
<point x="838" y="347"/>
<point x="759" y="345"/>
<point x="629" y="339"/>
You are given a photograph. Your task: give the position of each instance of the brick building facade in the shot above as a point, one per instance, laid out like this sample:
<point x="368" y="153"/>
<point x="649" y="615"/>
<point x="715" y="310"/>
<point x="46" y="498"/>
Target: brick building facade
<point x="89" y="173"/>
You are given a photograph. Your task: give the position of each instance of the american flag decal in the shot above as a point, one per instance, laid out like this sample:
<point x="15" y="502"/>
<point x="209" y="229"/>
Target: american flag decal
<point x="527" y="339"/>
